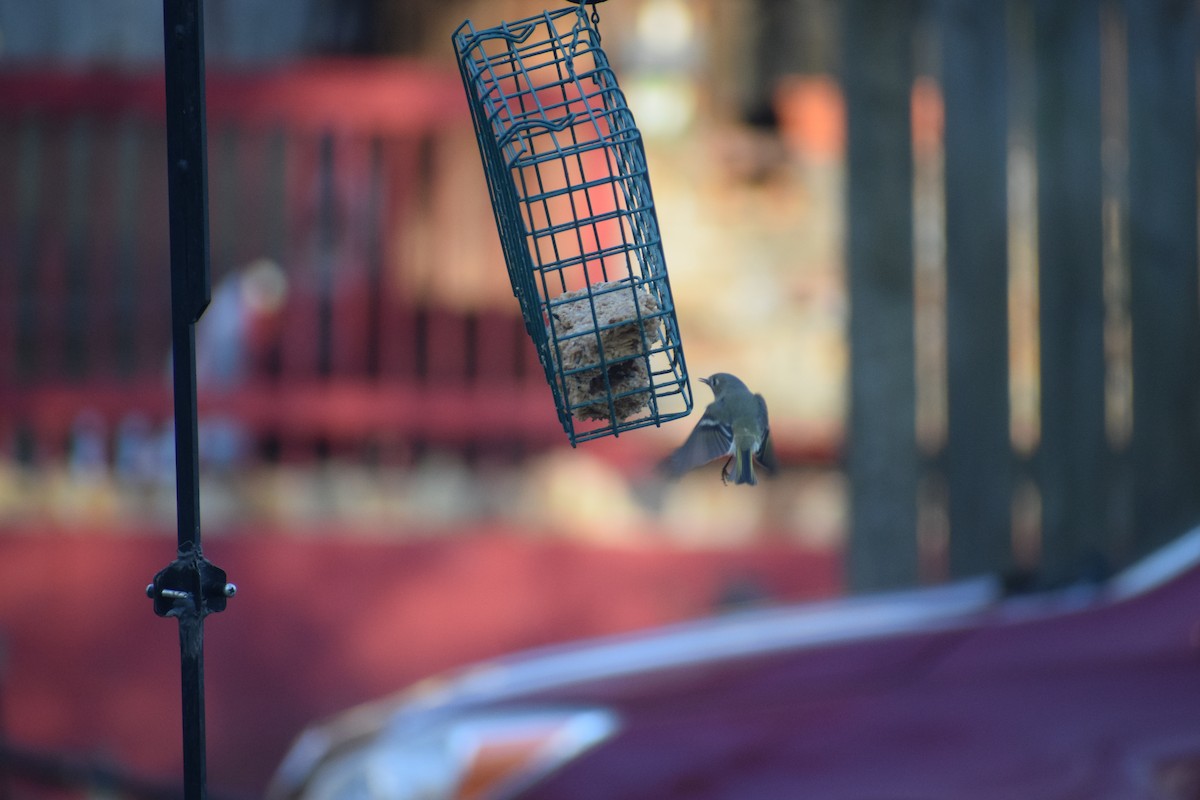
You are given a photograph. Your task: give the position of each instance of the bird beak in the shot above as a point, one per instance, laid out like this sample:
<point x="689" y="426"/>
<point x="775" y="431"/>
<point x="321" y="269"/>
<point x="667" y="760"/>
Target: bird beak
<point x="706" y="382"/>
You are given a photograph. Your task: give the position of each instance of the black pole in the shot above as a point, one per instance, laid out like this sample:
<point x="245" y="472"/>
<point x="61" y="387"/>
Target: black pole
<point x="187" y="176"/>
<point x="190" y="587"/>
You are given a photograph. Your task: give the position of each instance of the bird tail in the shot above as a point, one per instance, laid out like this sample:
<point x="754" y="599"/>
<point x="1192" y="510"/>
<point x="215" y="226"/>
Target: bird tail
<point x="743" y="467"/>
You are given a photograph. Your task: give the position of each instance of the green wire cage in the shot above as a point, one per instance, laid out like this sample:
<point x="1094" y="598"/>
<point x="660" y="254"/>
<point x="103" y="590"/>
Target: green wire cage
<point x="567" y="176"/>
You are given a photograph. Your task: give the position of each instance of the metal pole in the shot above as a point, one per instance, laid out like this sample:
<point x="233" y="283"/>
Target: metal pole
<point x="187" y="185"/>
<point x="190" y="587"/>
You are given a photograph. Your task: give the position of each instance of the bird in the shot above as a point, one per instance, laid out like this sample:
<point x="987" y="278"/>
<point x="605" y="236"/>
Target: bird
<point x="735" y="425"/>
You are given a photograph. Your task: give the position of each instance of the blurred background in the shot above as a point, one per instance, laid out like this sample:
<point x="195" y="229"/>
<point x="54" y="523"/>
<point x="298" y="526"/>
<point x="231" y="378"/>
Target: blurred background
<point x="953" y="244"/>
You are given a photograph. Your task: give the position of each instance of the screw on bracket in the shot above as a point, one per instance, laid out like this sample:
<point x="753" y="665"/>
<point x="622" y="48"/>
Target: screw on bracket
<point x="190" y="576"/>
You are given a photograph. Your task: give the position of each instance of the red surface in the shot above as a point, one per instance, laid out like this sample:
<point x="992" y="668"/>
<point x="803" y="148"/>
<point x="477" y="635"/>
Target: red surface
<point x="1055" y="697"/>
<point x="347" y="95"/>
<point x="318" y="624"/>
<point x="352" y="150"/>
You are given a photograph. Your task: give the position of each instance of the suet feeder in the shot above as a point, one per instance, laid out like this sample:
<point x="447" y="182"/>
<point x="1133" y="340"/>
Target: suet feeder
<point x="567" y="176"/>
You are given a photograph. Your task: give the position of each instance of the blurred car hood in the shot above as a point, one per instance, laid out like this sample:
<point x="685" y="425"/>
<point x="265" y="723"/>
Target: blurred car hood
<point x="880" y="640"/>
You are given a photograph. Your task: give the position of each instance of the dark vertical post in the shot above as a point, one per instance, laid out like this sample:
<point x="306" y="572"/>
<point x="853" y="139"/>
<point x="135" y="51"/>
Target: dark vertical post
<point x="978" y="450"/>
<point x="187" y="188"/>
<point x="882" y="461"/>
<point x="327" y="239"/>
<point x="1073" y="458"/>
<point x="190" y="587"/>
<point x="81" y="146"/>
<point x="31" y="185"/>
<point x="1164" y="296"/>
<point x="783" y="42"/>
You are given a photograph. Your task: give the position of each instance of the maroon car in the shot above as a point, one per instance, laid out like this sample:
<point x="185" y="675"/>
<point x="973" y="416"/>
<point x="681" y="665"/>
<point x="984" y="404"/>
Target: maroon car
<point x="960" y="691"/>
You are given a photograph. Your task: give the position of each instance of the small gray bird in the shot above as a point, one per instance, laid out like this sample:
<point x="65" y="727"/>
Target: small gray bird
<point x="734" y="425"/>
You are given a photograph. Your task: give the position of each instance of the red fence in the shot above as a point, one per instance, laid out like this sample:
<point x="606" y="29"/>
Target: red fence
<point x="396" y="324"/>
<point x="361" y="181"/>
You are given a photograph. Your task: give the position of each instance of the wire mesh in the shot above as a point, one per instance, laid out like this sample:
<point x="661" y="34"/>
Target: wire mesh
<point x="566" y="171"/>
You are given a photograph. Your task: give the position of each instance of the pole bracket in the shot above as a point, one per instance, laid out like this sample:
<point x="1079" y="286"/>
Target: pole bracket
<point x="190" y="576"/>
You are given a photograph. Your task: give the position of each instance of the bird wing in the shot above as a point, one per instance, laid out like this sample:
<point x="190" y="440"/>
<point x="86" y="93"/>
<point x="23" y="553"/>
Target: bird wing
<point x="708" y="440"/>
<point x="766" y="451"/>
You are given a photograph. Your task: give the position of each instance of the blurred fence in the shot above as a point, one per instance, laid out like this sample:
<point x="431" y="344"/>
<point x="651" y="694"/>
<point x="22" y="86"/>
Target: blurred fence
<point x="332" y="329"/>
<point x="360" y="305"/>
<point x="1025" y="326"/>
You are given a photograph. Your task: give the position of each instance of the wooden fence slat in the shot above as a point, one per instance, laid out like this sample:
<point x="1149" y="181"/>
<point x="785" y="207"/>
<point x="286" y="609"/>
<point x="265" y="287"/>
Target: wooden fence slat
<point x="129" y="135"/>
<point x="83" y="281"/>
<point x="494" y="348"/>
<point x="1073" y="459"/>
<point x="882" y="459"/>
<point x="353" y="292"/>
<point x="978" y="450"/>
<point x="300" y="337"/>
<point x="152" y="313"/>
<point x="97" y="285"/>
<point x="46" y="328"/>
<point x="443" y="355"/>
<point x="373" y="231"/>
<point x="9" y="259"/>
<point x="1164" y="295"/>
<point x="397" y="324"/>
